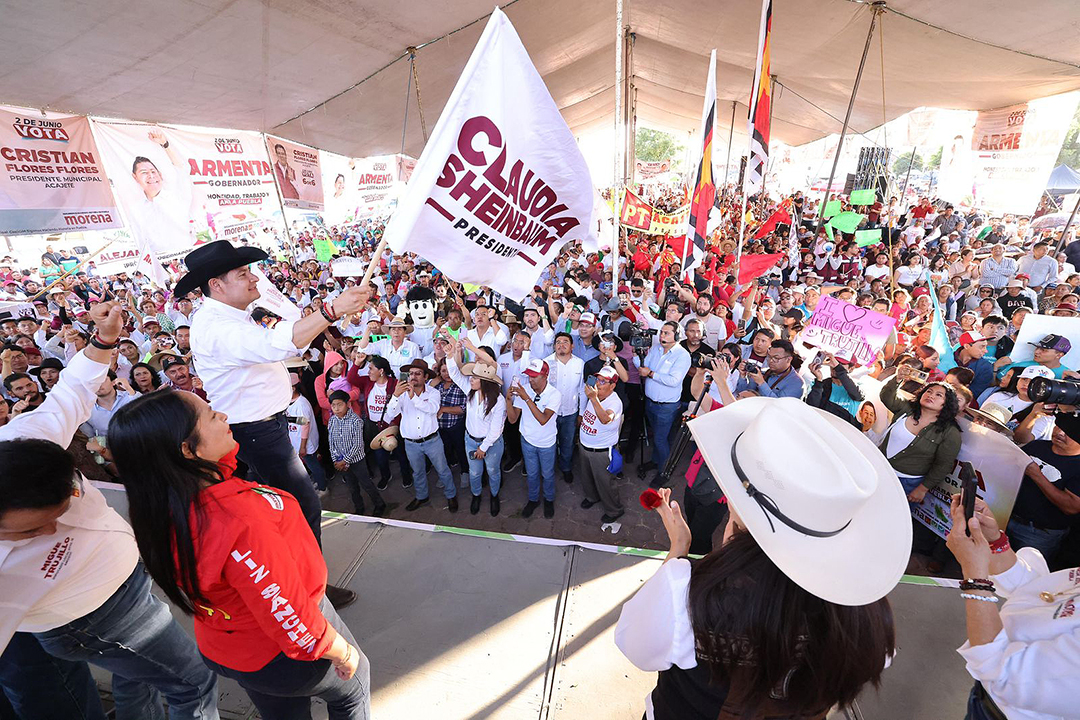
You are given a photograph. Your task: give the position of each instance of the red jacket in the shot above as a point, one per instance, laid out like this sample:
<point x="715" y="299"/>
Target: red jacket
<point x="261" y="572"/>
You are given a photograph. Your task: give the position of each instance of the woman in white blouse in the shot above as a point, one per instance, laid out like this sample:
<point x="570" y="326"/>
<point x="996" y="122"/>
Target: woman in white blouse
<point x="788" y="617"/>
<point x="1024" y="656"/>
<point x="485" y="416"/>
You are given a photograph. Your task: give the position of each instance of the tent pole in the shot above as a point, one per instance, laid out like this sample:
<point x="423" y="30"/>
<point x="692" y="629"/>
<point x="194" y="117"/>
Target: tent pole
<point x="730" y="137"/>
<point x="619" y="140"/>
<point x="878" y="7"/>
<point x="1065" y="230"/>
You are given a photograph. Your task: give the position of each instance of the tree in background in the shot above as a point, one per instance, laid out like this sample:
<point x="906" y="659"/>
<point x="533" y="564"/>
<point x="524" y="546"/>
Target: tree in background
<point x="654" y="145"/>
<point x="935" y="160"/>
<point x="904" y="161"/>
<point x="1070" y="149"/>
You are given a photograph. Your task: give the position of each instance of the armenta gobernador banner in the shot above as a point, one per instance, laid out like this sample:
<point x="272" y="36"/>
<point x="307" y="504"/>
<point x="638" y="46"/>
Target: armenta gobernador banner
<point x="179" y="188"/>
<point x="296" y="170"/>
<point x="501" y="184"/>
<point x="52" y="178"/>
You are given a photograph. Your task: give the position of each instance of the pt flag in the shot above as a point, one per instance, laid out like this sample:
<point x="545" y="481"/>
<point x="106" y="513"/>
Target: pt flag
<point x="52" y="179"/>
<point x="704" y="193"/>
<point x="501" y="185"/>
<point x="297" y="173"/>
<point x="181" y="187"/>
<point x="760" y="102"/>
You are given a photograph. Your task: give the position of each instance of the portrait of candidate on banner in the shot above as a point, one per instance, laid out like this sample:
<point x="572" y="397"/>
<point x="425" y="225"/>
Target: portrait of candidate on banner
<point x="297" y="174"/>
<point x="182" y="187"/>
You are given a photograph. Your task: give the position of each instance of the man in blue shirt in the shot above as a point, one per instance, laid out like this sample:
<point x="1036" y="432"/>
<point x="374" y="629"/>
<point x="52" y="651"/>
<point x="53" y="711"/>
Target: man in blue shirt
<point x="780" y="380"/>
<point x="970" y="355"/>
<point x="663" y="370"/>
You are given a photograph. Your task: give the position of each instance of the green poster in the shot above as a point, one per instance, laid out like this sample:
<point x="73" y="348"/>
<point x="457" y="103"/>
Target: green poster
<point x="864" y="197"/>
<point x="832" y="208"/>
<point x="324" y="250"/>
<point x="868" y="237"/>
<point x="846" y="222"/>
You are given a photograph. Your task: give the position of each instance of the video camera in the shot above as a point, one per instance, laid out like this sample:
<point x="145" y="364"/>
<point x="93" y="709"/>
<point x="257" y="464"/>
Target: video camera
<point x="641" y="340"/>
<point x="1058" y="392"/>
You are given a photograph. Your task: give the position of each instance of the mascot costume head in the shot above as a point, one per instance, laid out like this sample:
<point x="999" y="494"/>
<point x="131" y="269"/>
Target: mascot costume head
<point x="420" y="302"/>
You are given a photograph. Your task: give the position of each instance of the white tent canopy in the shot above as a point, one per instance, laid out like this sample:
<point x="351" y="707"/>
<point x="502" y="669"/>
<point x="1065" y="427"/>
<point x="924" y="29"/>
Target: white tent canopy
<point x="286" y="66"/>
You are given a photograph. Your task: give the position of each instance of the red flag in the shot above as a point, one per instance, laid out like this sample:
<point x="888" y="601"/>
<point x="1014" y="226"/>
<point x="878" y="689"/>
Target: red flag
<point x="780" y="216"/>
<point x="635" y="212"/>
<point x="752" y="267"/>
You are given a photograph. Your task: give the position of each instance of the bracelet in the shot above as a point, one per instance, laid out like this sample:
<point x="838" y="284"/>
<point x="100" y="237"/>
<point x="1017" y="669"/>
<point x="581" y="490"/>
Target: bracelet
<point x="328" y="314"/>
<point x="985" y="585"/>
<point x="97" y="342"/>
<point x="1001" y="544"/>
<point x="982" y="598"/>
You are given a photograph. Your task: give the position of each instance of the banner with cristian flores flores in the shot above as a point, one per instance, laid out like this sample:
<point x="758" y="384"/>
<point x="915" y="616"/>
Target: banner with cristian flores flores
<point x="501" y="185"/>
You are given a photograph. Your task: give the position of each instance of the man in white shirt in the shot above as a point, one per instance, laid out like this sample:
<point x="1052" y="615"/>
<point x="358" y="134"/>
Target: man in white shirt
<point x="601" y="418"/>
<point x="715" y="330"/>
<point x="70" y="577"/>
<point x="536" y="407"/>
<point x="486" y="330"/>
<point x="566" y="371"/>
<point x="242" y="370"/>
<point x="160" y="215"/>
<point x="540" y="338"/>
<point x="397" y="348"/>
<point x="511" y="367"/>
<point x="419" y="405"/>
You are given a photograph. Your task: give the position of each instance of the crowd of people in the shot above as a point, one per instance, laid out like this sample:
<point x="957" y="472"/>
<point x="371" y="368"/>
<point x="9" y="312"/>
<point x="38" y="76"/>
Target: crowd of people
<point x="185" y="394"/>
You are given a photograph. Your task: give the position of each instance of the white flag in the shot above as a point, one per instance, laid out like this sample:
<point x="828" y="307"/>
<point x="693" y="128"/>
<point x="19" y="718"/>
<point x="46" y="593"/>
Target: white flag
<point x="501" y="185"/>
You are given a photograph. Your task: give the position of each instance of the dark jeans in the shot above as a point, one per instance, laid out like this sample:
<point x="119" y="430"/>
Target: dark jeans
<point x="662" y="418"/>
<point x="267" y="451"/>
<point x="133" y="635"/>
<point x="380" y="459"/>
<point x="512" y="442"/>
<point x="453" y="439"/>
<point x="566" y="430"/>
<point x="703" y="520"/>
<point x="41" y="686"/>
<point x="315" y="470"/>
<point x="282" y="690"/>
<point x="634" y="426"/>
<point x="357" y="477"/>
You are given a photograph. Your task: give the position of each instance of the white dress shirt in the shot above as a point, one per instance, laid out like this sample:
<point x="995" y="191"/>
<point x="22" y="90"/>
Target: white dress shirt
<point x="478" y="422"/>
<point x="241" y="362"/>
<point x="419" y="415"/>
<point x="49" y="580"/>
<point x="567" y="379"/>
<point x="397" y="357"/>
<point x="537" y="435"/>
<point x="509" y="368"/>
<point x="492" y="338"/>
<point x="1029" y="669"/>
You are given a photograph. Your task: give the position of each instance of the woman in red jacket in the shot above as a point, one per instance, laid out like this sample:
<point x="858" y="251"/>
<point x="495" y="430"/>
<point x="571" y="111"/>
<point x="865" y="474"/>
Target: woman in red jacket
<point x="239" y="557"/>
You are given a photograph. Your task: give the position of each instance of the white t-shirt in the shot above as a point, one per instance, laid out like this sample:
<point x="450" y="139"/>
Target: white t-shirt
<point x="595" y="434"/>
<point x="377" y="399"/>
<point x="876" y="271"/>
<point x="537" y="435"/>
<point x="899" y="438"/>
<point x="300" y="415"/>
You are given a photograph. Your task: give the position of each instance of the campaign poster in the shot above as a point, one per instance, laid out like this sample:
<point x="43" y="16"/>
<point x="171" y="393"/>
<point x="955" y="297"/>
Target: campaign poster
<point x="297" y="174"/>
<point x="851" y="333"/>
<point x="999" y="469"/>
<point x="1014" y="150"/>
<point x="179" y="188"/>
<point x="341" y="197"/>
<point x="378" y="183"/>
<point x="53" y="179"/>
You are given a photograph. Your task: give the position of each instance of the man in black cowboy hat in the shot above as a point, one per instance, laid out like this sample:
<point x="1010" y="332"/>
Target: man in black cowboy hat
<point x="241" y="366"/>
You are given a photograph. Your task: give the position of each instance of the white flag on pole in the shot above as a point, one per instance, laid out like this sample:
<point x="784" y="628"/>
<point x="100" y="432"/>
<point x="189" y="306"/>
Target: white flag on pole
<point x="501" y="185"/>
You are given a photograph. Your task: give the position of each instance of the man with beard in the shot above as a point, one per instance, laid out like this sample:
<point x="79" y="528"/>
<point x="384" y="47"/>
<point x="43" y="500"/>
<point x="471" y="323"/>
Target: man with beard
<point x="26" y="393"/>
<point x="714" y="329"/>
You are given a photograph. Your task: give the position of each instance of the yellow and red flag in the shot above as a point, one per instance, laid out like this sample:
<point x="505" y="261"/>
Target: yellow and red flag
<point x="704" y="190"/>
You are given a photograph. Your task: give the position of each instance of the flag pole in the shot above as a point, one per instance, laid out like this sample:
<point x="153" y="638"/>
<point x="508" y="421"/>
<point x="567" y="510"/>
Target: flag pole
<point x="877" y="7"/>
<point x="1065" y="230"/>
<point x="45" y="290"/>
<point x="619" y="142"/>
<point x="730" y="137"/>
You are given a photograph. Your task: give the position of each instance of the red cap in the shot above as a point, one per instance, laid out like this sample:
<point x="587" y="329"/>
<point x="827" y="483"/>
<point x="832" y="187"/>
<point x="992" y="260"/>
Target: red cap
<point x="970" y="338"/>
<point x="536" y="368"/>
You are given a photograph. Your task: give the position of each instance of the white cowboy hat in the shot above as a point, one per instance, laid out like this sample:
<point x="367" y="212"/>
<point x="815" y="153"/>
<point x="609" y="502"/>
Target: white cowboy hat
<point x="482" y="371"/>
<point x="819" y="498"/>
<point x="386" y="440"/>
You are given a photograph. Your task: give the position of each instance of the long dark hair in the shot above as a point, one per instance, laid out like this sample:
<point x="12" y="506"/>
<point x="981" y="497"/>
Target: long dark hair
<point x="145" y="438"/>
<point x="155" y="379"/>
<point x="490" y="392"/>
<point x="771" y="641"/>
<point x="949" y="411"/>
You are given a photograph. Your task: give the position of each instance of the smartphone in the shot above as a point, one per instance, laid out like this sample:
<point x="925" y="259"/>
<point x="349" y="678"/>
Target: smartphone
<point x="968" y="490"/>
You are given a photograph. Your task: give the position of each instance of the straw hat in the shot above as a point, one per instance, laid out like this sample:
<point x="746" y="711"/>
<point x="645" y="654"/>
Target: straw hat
<point x="399" y="323"/>
<point x="386" y="440"/>
<point x="482" y="371"/>
<point x="819" y="498"/>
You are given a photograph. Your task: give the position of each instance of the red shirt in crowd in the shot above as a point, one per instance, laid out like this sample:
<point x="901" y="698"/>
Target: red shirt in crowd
<point x="261" y="573"/>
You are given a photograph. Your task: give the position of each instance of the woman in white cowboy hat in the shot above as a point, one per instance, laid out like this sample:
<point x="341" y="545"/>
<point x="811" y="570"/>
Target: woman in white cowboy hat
<point x="788" y="617"/>
<point x="485" y="417"/>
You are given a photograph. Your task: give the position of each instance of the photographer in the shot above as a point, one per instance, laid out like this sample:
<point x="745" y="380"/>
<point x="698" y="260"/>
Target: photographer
<point x="701" y="356"/>
<point x="663" y="368"/>
<point x="1024" y="655"/>
<point x="780" y="380"/>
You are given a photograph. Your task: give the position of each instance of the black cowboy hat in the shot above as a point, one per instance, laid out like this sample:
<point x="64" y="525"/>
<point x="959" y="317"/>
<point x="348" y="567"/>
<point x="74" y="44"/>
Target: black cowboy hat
<point x="47" y="364"/>
<point x="214" y="259"/>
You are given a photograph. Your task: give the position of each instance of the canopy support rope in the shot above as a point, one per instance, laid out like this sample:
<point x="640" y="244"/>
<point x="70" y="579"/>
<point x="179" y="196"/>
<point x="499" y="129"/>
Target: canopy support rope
<point x="419" y="104"/>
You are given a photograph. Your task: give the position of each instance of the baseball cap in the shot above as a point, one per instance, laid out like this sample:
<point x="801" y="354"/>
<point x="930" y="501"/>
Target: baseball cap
<point x="536" y="368"/>
<point x="171" y="361"/>
<point x="1032" y="371"/>
<point x="1065" y="306"/>
<point x="608" y="373"/>
<point x="1015" y="283"/>
<point x="970" y="338"/>
<point x="1054" y="342"/>
<point x="588" y="318"/>
<point x="919" y="292"/>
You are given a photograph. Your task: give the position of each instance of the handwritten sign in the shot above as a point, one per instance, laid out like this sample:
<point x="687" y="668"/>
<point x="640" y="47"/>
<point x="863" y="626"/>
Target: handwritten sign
<point x="348" y="267"/>
<point x="847" y="331"/>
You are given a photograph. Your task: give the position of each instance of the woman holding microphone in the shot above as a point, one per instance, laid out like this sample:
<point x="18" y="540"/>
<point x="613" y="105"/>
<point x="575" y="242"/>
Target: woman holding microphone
<point x="239" y="557"/>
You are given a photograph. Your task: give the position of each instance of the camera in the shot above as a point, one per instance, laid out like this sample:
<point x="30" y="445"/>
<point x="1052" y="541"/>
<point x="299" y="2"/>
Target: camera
<point x="704" y="360"/>
<point x="750" y="367"/>
<point x="1060" y="392"/>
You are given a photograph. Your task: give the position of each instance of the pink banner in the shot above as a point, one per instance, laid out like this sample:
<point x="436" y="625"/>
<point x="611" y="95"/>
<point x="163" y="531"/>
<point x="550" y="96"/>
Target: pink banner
<point x="847" y="331"/>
